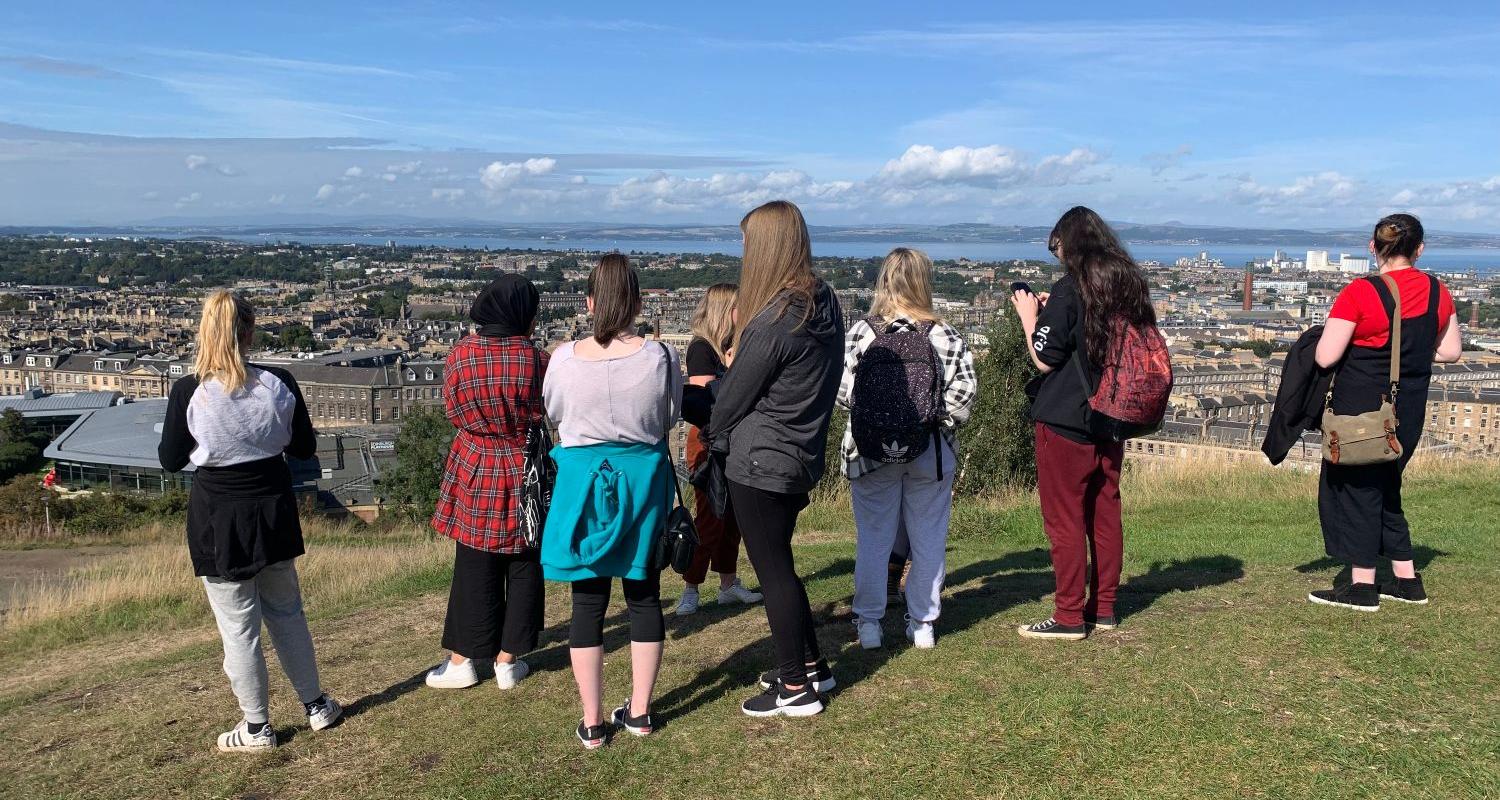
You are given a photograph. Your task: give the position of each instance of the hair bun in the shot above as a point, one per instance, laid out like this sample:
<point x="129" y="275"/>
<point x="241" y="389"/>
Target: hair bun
<point x="1388" y="232"/>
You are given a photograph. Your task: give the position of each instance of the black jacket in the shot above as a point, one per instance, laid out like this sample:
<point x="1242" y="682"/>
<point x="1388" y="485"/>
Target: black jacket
<point x="771" y="414"/>
<point x="1299" y="399"/>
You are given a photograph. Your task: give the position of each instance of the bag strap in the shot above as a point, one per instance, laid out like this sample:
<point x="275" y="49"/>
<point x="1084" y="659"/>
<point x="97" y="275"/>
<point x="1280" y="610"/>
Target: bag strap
<point x="666" y="354"/>
<point x="1395" y="338"/>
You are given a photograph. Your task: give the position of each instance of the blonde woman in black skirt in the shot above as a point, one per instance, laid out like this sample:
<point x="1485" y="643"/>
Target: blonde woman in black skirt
<point x="237" y="423"/>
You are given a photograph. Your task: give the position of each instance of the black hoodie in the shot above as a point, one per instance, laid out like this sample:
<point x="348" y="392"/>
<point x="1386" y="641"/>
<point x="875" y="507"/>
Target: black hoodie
<point x="771" y="413"/>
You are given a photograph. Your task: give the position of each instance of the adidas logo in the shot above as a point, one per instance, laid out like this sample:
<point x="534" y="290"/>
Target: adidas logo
<point x="894" y="451"/>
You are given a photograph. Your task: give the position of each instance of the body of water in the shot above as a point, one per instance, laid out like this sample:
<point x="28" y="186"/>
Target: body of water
<point x="1485" y="260"/>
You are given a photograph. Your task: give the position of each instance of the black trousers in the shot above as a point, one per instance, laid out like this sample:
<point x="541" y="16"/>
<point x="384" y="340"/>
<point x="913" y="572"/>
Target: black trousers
<point x="766" y="521"/>
<point x="1361" y="515"/>
<point x="495" y="603"/>
<point x="642" y="603"/>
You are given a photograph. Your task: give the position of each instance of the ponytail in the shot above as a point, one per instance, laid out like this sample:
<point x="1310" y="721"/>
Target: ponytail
<point x="227" y="318"/>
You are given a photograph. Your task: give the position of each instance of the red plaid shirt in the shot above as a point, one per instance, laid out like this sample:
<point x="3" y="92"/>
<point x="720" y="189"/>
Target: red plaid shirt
<point x="493" y="393"/>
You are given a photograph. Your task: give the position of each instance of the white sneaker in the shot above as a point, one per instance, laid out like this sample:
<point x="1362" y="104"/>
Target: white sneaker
<point x="449" y="675"/>
<point x="869" y="633"/>
<point x="508" y="675"/>
<point x="921" y="634"/>
<point x="688" y="603"/>
<point x="323" y="712"/>
<point x="239" y="739"/>
<point x="737" y="593"/>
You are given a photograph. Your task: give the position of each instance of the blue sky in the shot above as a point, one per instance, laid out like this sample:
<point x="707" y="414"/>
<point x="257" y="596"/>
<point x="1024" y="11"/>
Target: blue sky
<point x="1267" y="115"/>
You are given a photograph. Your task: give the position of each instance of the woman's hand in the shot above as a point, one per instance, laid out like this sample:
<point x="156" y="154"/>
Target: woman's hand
<point x="1027" y="306"/>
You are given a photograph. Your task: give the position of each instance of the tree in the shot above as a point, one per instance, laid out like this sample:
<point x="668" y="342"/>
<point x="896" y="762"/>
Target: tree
<point x="20" y="450"/>
<point x="996" y="448"/>
<point x="298" y="337"/>
<point x="421" y="459"/>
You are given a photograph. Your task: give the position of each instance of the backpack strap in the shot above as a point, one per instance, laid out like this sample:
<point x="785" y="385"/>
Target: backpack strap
<point x="1395" y="337"/>
<point x="937" y="396"/>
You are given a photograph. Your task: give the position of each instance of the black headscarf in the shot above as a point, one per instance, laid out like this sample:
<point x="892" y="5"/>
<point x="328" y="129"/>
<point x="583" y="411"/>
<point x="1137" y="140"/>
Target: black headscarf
<point x="506" y="307"/>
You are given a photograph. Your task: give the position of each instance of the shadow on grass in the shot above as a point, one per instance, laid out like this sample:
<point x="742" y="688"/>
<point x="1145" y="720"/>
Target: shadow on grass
<point x="389" y="694"/>
<point x="1140" y="591"/>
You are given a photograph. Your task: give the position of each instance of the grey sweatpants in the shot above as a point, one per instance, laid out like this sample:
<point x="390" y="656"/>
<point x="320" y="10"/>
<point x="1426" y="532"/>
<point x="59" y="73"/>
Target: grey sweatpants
<point x="893" y="497"/>
<point x="239" y="607"/>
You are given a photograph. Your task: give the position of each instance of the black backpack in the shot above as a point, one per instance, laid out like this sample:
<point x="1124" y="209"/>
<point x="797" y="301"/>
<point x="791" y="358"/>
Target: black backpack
<point x="897" y="400"/>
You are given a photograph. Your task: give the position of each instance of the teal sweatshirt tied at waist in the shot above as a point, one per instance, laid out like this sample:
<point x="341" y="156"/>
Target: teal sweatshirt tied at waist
<point x="608" y="504"/>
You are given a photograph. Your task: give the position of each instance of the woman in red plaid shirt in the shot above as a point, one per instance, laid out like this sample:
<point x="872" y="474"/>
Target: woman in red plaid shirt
<point x="492" y="386"/>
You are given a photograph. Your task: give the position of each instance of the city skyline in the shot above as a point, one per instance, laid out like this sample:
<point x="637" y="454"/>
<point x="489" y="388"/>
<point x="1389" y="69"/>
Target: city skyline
<point x="692" y="115"/>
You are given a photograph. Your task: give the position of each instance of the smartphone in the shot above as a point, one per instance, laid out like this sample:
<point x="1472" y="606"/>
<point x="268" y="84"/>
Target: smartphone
<point x="1020" y="286"/>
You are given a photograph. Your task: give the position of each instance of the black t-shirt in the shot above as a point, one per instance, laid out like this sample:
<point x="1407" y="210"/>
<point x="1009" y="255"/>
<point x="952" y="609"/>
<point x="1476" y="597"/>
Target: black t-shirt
<point x="1062" y="399"/>
<point x="702" y="360"/>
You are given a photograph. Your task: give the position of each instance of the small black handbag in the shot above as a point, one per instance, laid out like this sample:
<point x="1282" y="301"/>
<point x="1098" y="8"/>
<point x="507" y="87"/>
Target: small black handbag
<point x="678" y="539"/>
<point x="538" y="473"/>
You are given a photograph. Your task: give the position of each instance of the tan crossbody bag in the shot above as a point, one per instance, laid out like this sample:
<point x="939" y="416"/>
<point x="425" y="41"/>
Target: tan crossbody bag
<point x="1368" y="438"/>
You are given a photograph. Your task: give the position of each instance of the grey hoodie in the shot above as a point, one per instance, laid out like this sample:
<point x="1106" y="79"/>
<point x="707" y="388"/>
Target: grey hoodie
<point x="771" y="413"/>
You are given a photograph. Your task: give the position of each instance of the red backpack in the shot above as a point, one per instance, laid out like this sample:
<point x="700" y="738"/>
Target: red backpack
<point x="1134" y="384"/>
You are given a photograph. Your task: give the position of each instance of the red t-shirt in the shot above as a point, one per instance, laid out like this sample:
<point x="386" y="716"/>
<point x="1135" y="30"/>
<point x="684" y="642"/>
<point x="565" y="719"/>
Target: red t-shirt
<point x="1360" y="304"/>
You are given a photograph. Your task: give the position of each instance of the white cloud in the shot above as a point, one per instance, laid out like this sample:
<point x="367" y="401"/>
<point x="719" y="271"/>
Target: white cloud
<point x="388" y="177"/>
<point x="188" y="199"/>
<point x="276" y="199"/>
<point x="354" y="172"/>
<point x="325" y="191"/>
<point x="196" y="161"/>
<point x="1322" y="189"/>
<point x="151" y="195"/>
<point x="404" y="168"/>
<point x="989" y="166"/>
<point x="449" y="195"/>
<point x="1161" y="162"/>
<point x="578" y="180"/>
<point x="499" y="176"/>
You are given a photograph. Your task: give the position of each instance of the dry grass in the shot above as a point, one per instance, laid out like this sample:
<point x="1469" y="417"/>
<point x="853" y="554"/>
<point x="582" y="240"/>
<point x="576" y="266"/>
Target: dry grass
<point x="159" y="575"/>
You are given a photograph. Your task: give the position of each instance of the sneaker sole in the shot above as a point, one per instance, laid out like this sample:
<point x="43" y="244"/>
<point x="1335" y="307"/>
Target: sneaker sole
<point x="1421" y="602"/>
<point x="684" y="612"/>
<point x="1320" y="601"/>
<point x="1067" y="637"/>
<point x="259" y="748"/>
<point x="432" y="685"/>
<point x="808" y="710"/>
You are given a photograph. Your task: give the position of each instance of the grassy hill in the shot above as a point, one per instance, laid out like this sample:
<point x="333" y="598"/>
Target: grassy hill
<point x="1222" y="682"/>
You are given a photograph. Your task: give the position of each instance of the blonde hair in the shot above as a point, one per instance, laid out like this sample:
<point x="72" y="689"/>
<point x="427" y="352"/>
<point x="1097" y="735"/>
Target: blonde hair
<point x="713" y="321"/>
<point x="904" y="287"/>
<point x="778" y="257"/>
<point x="227" y="319"/>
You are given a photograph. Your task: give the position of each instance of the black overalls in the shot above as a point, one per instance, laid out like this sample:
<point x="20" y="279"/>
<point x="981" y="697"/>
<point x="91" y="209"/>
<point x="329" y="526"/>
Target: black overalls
<point x="1360" y="507"/>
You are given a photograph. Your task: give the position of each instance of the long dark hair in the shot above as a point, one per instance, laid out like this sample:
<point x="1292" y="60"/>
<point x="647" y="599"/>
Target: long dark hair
<point x="617" y="297"/>
<point x="1113" y="287"/>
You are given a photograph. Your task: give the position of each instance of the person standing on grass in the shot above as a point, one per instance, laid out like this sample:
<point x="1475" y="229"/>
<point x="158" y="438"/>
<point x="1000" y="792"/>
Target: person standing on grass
<point x="237" y="423"/>
<point x="615" y="397"/>
<point x="718" y="539"/>
<point x="906" y="343"/>
<point x="492" y="389"/>
<point x="1078" y="479"/>
<point x="1360" y="506"/>
<point x="770" y="422"/>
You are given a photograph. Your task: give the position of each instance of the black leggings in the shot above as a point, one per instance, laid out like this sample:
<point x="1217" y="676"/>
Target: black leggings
<point x="766" y="521"/>
<point x="495" y="603"/>
<point x="642" y="601"/>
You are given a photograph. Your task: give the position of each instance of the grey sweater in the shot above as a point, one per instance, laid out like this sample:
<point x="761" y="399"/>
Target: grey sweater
<point x="634" y="398"/>
<point x="771" y="413"/>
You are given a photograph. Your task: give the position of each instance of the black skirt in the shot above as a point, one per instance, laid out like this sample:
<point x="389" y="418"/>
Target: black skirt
<point x="241" y="518"/>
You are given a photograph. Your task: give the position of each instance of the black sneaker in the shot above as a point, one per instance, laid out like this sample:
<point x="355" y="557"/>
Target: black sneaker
<point x="638" y="726"/>
<point x="1050" y="628"/>
<point x="1356" y="596"/>
<point x="1102" y="623"/>
<point x="820" y="675"/>
<point x="593" y="736"/>
<point x="1406" y="590"/>
<point x="779" y="701"/>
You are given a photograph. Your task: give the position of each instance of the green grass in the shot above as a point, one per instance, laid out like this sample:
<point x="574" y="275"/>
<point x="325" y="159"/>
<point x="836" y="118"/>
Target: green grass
<point x="1222" y="681"/>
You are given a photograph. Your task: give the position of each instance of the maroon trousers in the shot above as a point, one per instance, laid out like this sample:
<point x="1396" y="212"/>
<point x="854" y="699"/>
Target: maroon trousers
<point x="1079" y="485"/>
<point x="718" y="539"/>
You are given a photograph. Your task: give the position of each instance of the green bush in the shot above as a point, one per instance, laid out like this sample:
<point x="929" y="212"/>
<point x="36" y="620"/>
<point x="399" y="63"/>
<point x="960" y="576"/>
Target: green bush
<point x="421" y="457"/>
<point x="996" y="448"/>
